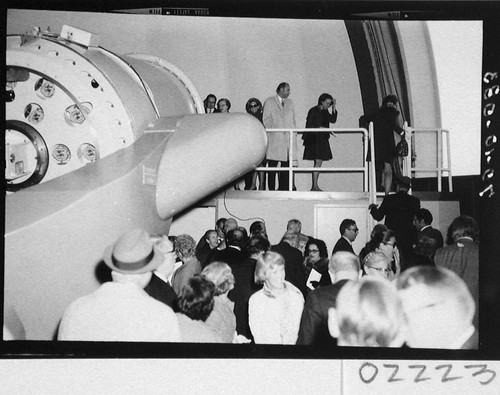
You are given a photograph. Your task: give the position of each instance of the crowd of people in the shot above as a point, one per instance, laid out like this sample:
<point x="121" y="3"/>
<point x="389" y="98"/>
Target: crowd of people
<point x="235" y="286"/>
<point x="278" y="112"/>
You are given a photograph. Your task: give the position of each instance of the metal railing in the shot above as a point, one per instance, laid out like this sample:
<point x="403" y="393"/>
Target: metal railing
<point x="291" y="153"/>
<point x="440" y="170"/>
<point x="368" y="169"/>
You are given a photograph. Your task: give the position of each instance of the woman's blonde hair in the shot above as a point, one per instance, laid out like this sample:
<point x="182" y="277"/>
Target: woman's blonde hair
<point x="221" y="275"/>
<point x="269" y="261"/>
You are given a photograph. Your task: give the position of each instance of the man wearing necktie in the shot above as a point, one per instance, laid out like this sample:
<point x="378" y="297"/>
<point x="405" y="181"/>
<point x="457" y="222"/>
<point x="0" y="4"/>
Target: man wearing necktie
<point x="279" y="113"/>
<point x="209" y="104"/>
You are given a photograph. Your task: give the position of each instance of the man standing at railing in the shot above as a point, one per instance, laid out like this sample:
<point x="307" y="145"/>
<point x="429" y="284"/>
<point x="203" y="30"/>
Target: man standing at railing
<point x="279" y="113"/>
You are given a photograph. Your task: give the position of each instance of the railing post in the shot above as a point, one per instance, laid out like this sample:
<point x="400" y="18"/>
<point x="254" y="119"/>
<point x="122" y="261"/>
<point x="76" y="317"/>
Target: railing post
<point x="290" y="160"/>
<point x="448" y="162"/>
<point x="373" y="178"/>
<point x="407" y="159"/>
<point x="366" y="142"/>
<point x="440" y="158"/>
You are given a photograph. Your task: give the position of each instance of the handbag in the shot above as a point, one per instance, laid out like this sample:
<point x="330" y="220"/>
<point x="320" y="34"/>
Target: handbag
<point x="402" y="147"/>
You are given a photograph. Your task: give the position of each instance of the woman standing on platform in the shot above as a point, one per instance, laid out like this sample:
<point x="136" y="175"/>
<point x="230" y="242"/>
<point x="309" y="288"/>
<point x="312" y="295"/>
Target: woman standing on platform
<point x="254" y="108"/>
<point x="317" y="146"/>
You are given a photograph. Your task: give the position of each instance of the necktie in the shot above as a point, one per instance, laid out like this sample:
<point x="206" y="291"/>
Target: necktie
<point x="282" y="103"/>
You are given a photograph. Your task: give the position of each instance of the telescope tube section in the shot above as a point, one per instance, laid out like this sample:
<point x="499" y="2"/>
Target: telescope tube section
<point x="205" y="153"/>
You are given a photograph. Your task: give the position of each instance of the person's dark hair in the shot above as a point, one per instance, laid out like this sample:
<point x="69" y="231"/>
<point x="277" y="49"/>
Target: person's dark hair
<point x="377" y="229"/>
<point x="426" y="247"/>
<point x="257" y="228"/>
<point x="211" y="95"/>
<point x="281" y="86"/>
<point x="235" y="237"/>
<point x="323" y="250"/>
<point x="227" y="102"/>
<point x="257" y="244"/>
<point x="345" y="224"/>
<point x="323" y="97"/>
<point x="380" y="237"/>
<point x="463" y="226"/>
<point x="196" y="299"/>
<point x="373" y="244"/>
<point x="220" y="224"/>
<point x="250" y="101"/>
<point x="390" y="99"/>
<point x="424" y="214"/>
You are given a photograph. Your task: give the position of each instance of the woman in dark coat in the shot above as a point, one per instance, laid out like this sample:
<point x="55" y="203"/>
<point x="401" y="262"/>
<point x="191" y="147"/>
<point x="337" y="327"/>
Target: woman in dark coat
<point x="317" y="146"/>
<point x="386" y="122"/>
<point x="254" y="108"/>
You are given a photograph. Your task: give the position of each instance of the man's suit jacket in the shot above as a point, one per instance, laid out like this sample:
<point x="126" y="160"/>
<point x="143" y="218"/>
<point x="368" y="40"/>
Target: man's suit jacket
<point x="433" y="234"/>
<point x="230" y="255"/>
<point x="294" y="268"/>
<point x="244" y="287"/>
<point x="398" y="210"/>
<point x="463" y="259"/>
<point x="342" y="245"/>
<point x="276" y="116"/>
<point x="162" y="291"/>
<point x="314" y="322"/>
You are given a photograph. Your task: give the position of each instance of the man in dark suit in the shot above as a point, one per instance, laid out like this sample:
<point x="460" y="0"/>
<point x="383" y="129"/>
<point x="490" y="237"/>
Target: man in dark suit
<point x="159" y="287"/>
<point x="294" y="267"/>
<point x="244" y="283"/>
<point x="422" y="221"/>
<point x="344" y="266"/>
<point x="439" y="308"/>
<point x="232" y="254"/>
<point x="348" y="231"/>
<point x="398" y="210"/>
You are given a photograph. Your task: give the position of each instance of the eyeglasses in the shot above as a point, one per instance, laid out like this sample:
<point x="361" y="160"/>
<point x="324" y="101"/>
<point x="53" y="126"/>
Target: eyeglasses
<point x="393" y="245"/>
<point x="354" y="229"/>
<point x="254" y="105"/>
<point x="379" y="269"/>
<point x="311" y="251"/>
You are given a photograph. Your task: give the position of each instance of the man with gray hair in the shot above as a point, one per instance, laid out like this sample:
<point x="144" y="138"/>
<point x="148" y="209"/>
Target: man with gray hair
<point x="343" y="267"/>
<point x="439" y="309"/>
<point x="279" y="113"/>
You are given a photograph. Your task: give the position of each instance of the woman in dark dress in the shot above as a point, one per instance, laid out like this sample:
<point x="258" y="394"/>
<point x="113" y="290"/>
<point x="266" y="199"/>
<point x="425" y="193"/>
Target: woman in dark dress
<point x="386" y="122"/>
<point x="317" y="146"/>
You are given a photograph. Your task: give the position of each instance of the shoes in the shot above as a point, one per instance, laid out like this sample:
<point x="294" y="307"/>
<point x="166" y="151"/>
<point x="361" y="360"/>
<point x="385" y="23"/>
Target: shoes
<point x="316" y="189"/>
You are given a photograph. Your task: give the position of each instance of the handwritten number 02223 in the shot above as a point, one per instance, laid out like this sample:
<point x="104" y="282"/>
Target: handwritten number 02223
<point x="368" y="372"/>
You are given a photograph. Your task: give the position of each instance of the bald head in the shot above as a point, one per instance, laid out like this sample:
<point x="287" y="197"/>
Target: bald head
<point x="230" y="224"/>
<point x="438" y="304"/>
<point x="344" y="266"/>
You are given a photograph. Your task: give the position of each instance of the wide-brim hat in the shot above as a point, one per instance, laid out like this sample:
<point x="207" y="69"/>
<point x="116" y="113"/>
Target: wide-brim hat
<point x="134" y="252"/>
